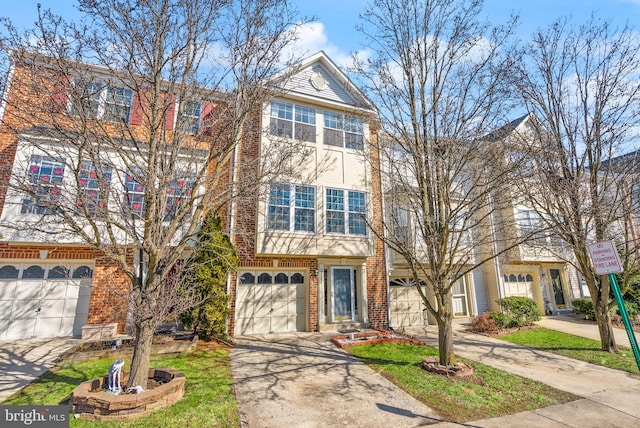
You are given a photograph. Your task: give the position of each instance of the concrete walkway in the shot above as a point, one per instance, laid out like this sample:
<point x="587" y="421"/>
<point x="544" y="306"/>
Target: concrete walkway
<point x="610" y="397"/>
<point x="23" y="361"/>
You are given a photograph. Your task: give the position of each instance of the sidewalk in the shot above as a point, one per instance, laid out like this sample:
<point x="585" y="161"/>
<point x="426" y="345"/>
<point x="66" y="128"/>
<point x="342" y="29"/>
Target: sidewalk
<point x="610" y="397"/>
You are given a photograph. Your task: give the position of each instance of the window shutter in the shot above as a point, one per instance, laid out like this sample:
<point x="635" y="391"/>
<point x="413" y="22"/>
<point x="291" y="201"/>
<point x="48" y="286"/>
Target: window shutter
<point x="171" y="113"/>
<point x="59" y="94"/>
<point x="136" y="109"/>
<point x="205" y="117"/>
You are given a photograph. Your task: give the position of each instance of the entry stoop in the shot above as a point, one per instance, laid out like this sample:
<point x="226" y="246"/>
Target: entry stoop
<point x="342" y="327"/>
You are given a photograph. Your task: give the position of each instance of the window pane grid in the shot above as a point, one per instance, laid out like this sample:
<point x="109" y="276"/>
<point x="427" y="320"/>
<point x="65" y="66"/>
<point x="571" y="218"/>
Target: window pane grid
<point x="191" y="117"/>
<point x="45" y="176"/>
<point x="357" y="213"/>
<point x="135" y="195"/>
<point x="279" y="211"/>
<point x="179" y="190"/>
<point x="118" y="103"/>
<point x="333" y="120"/>
<point x="304" y="219"/>
<point x="335" y="211"/>
<point x="305" y="115"/>
<point x="93" y="189"/>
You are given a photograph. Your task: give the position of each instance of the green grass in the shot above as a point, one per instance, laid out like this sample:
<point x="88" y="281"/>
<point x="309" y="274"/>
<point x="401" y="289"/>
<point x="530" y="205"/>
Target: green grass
<point x="487" y="393"/>
<point x="208" y="402"/>
<point x="572" y="346"/>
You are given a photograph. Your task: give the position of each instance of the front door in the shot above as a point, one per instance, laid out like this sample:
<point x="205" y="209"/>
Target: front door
<point x="343" y="294"/>
<point x="558" y="293"/>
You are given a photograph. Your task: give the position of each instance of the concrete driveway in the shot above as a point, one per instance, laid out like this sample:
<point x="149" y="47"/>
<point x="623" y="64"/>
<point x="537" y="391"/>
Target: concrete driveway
<point x="303" y="380"/>
<point x="22" y="361"/>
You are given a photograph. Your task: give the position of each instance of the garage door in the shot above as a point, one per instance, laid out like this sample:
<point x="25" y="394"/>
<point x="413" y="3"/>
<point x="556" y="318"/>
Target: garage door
<point x="270" y="302"/>
<point x="407" y="309"/>
<point x="519" y="284"/>
<point x="43" y="300"/>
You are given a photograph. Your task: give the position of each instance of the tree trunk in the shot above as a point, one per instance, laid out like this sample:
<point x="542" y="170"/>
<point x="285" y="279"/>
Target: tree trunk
<point x="445" y="331"/>
<point x="603" y="319"/>
<point x="141" y="355"/>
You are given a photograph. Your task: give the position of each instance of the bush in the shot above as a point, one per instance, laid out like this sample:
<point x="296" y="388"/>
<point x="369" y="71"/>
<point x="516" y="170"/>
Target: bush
<point x="484" y="324"/>
<point x="205" y="276"/>
<point x="631" y="307"/>
<point x="516" y="312"/>
<point x="584" y="307"/>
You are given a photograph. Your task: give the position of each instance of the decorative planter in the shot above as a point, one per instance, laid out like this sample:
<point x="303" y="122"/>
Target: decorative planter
<point x="91" y="401"/>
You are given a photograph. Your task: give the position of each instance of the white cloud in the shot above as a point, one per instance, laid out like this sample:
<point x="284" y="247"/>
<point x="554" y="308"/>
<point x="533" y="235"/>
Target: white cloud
<point x="312" y="38"/>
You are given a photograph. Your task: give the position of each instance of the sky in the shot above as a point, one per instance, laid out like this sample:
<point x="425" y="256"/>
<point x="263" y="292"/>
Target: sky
<point x="334" y="28"/>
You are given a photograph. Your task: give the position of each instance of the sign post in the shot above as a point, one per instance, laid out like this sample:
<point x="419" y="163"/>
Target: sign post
<point x="606" y="261"/>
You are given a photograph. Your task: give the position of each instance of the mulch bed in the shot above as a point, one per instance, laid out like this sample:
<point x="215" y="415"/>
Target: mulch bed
<point x="372" y="338"/>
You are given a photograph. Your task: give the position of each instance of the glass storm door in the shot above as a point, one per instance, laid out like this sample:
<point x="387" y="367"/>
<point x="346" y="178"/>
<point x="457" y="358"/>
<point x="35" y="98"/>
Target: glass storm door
<point x="342" y="292"/>
<point x="556" y="283"/>
<point x="459" y="298"/>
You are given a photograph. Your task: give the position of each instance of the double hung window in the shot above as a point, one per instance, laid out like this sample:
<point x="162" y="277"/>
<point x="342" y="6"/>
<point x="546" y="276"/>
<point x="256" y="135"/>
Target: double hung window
<point x="346" y="212"/>
<point x="293" y="121"/>
<point x="101" y="101"/>
<point x="179" y="192"/>
<point x="343" y="131"/>
<point x="292" y="208"/>
<point x="45" y="177"/>
<point x="191" y="112"/>
<point x="93" y="186"/>
<point x="135" y="194"/>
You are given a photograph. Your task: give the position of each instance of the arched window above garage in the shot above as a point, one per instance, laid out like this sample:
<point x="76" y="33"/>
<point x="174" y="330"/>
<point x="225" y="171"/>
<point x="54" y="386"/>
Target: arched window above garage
<point x="33" y="272"/>
<point x="247" y="278"/>
<point x="297" y="278"/>
<point x="58" y="272"/>
<point x="82" y="272"/>
<point x="282" y="278"/>
<point x="9" y="272"/>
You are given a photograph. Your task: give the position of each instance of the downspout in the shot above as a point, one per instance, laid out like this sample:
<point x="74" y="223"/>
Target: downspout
<point x="232" y="217"/>
<point x="494" y="245"/>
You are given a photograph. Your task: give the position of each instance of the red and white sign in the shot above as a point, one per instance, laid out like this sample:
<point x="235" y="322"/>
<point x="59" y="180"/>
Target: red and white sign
<point x="605" y="258"/>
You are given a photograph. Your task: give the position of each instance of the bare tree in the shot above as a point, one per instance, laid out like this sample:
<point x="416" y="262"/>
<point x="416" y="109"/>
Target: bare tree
<point x="581" y="82"/>
<point x="436" y="76"/>
<point x="134" y="118"/>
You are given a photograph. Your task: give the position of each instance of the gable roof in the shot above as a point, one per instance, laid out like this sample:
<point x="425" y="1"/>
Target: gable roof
<point x="319" y="78"/>
<point x="518" y="124"/>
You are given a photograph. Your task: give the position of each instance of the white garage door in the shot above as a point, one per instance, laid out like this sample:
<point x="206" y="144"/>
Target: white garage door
<point x="43" y="300"/>
<point x="519" y="284"/>
<point x="407" y="308"/>
<point x="270" y="302"/>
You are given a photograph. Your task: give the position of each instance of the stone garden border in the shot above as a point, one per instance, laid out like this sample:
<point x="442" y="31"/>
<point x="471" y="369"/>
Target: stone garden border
<point x="92" y="402"/>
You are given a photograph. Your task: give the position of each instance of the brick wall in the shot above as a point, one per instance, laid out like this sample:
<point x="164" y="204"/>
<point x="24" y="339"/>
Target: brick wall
<point x="378" y="302"/>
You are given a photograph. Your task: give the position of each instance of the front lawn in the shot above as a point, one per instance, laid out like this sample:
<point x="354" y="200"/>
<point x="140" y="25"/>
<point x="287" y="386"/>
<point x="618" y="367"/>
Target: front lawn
<point x="487" y="393"/>
<point x="208" y="400"/>
<point x="572" y="346"/>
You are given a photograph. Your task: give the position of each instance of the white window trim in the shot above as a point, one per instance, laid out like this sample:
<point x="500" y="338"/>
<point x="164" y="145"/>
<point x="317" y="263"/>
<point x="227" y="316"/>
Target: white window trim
<point x="292" y="210"/>
<point x="346" y="213"/>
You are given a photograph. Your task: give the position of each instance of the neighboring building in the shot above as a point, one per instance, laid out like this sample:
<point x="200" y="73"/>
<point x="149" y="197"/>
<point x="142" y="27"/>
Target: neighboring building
<point x="539" y="268"/>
